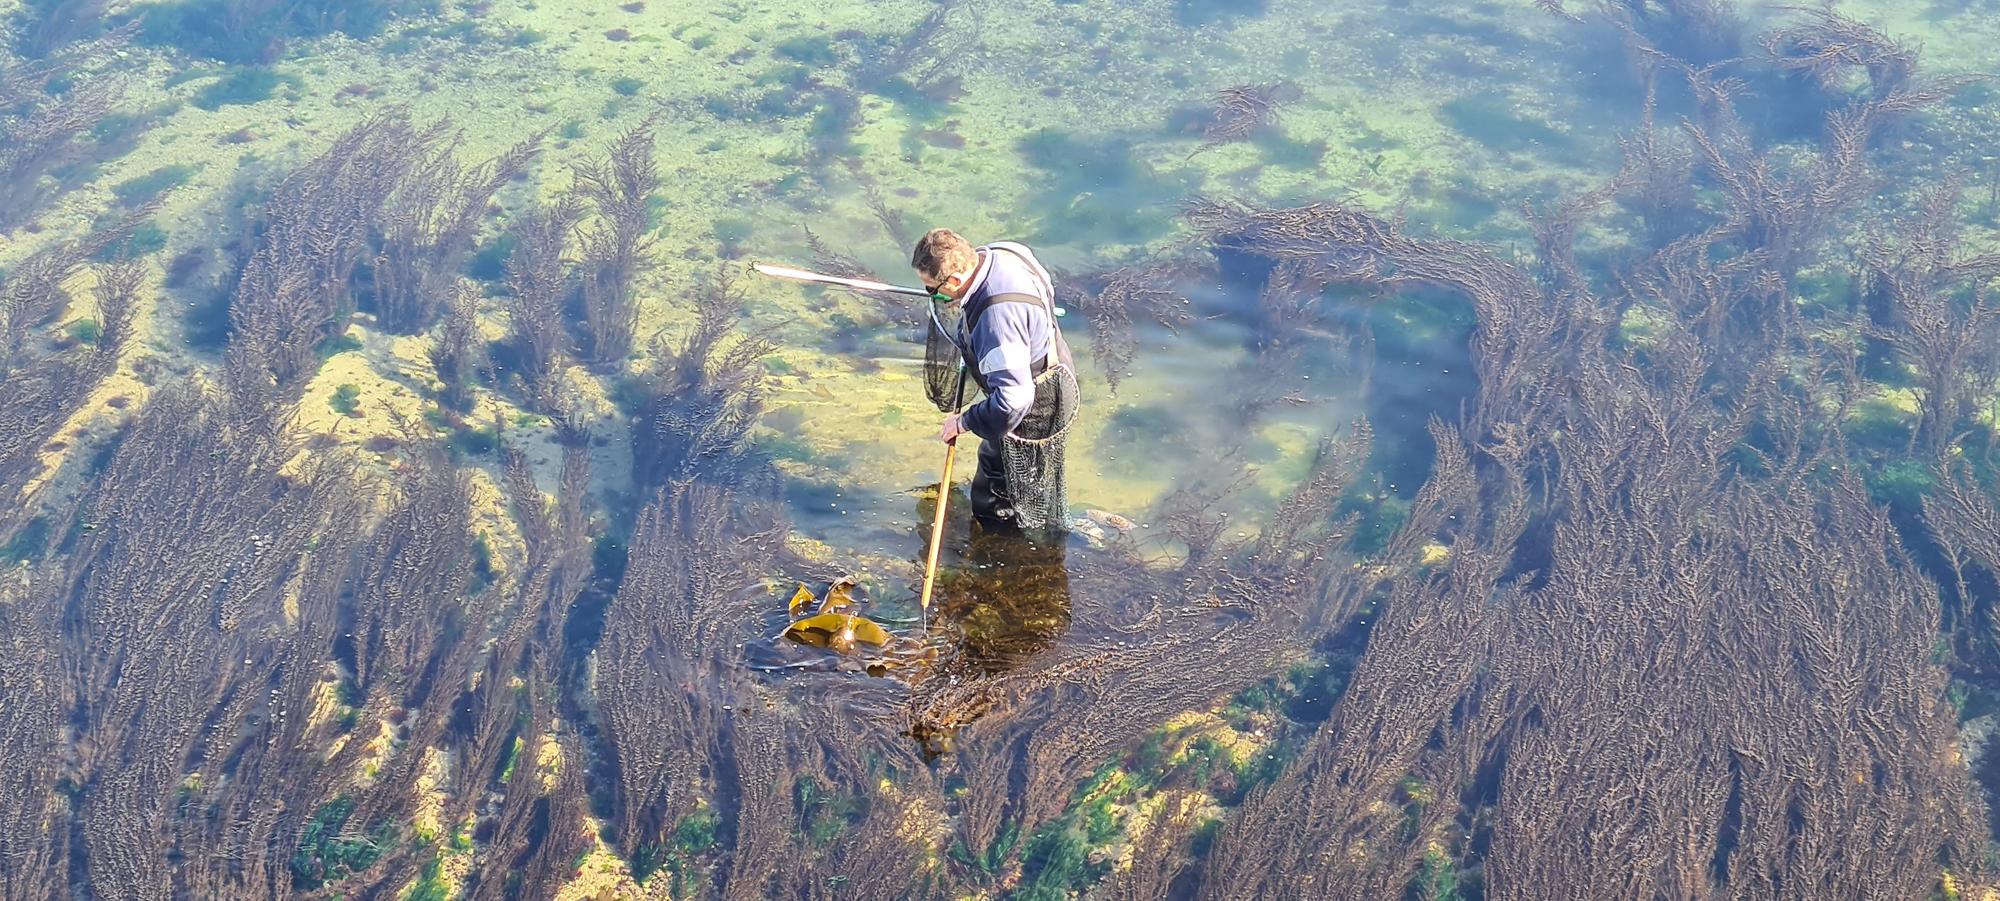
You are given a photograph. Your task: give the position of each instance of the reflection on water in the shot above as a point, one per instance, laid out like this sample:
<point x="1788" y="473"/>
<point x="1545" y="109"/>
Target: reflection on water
<point x="1003" y="597"/>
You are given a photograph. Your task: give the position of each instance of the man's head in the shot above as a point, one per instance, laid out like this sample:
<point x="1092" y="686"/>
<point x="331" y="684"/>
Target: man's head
<point x="942" y="255"/>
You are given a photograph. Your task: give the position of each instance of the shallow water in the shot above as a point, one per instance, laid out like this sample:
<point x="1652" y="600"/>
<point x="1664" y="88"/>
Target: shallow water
<point x="1314" y="629"/>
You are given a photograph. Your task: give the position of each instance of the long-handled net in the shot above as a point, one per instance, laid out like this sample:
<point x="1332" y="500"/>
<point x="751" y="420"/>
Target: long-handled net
<point x="941" y="355"/>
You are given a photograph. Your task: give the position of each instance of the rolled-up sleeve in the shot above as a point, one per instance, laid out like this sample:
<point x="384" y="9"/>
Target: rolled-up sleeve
<point x="1002" y="342"/>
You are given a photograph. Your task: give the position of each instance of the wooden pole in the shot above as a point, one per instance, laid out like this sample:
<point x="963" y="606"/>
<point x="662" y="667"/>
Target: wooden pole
<point x="937" y="525"/>
<point x="944" y="492"/>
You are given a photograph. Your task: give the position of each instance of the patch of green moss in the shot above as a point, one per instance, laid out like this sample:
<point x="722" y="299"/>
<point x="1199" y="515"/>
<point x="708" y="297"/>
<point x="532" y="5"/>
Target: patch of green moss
<point x="919" y="103"/>
<point x="831" y="131"/>
<point x="1880" y="424"/>
<point x="990" y="859"/>
<point x="430" y="884"/>
<point x="732" y="231"/>
<point x="1197" y="13"/>
<point x="1100" y="825"/>
<point x="464" y="31"/>
<point x="823" y="813"/>
<point x="1097" y="189"/>
<point x="1281" y="150"/>
<point x="791" y="448"/>
<point x="198" y="27"/>
<point x="626" y="85"/>
<point x="692" y="837"/>
<point x="1903" y="485"/>
<point x="1460" y="207"/>
<point x="656" y="214"/>
<point x="1437" y="877"/>
<point x="474" y="442"/>
<point x="482" y="564"/>
<point x="1382" y="514"/>
<point x="1825" y="289"/>
<point x="339" y="344"/>
<point x="327" y="853"/>
<point x="489" y="263"/>
<point x="346" y="400"/>
<point x="509" y="758"/>
<point x="348" y="693"/>
<point x="1490" y="119"/>
<point x="1056" y="865"/>
<point x="85" y="331"/>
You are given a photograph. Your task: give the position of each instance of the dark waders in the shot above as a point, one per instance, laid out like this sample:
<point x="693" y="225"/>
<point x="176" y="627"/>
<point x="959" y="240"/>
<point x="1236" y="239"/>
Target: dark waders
<point x="991" y="505"/>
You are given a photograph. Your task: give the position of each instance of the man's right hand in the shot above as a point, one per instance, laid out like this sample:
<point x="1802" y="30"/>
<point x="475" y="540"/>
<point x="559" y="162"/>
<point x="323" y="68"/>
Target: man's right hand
<point x="952" y="427"/>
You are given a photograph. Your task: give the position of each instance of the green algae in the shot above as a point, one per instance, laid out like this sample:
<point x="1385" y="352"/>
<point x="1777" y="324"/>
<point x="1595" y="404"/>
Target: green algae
<point x="824" y="813"/>
<point x="990" y="859"/>
<point x="1437" y="877"/>
<point x="344" y="400"/>
<point x="138" y="241"/>
<point x="327" y="852"/>
<point x="1881" y="423"/>
<point x="692" y="837"/>
<point x="430" y="884"/>
<point x="1902" y="485"/>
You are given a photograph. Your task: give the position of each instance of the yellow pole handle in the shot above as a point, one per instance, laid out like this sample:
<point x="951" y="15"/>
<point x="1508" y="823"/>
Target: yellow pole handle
<point x="937" y="524"/>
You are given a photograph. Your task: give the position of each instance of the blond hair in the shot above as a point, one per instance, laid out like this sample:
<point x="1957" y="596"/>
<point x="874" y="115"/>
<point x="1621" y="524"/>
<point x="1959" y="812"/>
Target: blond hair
<point x="942" y="253"/>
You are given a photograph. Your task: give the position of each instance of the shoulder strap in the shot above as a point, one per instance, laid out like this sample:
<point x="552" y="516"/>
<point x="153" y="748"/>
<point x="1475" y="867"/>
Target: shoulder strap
<point x="1042" y="278"/>
<point x="1058" y="347"/>
<point x="972" y="319"/>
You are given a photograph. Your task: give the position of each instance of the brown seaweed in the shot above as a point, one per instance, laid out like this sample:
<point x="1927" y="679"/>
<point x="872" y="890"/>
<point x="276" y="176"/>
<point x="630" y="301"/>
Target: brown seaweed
<point x="1147" y="292"/>
<point x="1916" y="285"/>
<point x="1243" y="111"/>
<point x="539" y="275"/>
<point x="296" y="290"/>
<point x="1023" y="736"/>
<point x="176" y="614"/>
<point x="43" y="387"/>
<point x="457" y="352"/>
<point x="43" y="127"/>
<point x="617" y="252"/>
<point x="1722" y="605"/>
<point x="701" y="397"/>
<point x="427" y="226"/>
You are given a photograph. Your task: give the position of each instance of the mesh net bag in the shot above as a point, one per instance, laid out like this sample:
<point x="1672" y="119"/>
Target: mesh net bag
<point x="941" y="356"/>
<point x="1037" y="481"/>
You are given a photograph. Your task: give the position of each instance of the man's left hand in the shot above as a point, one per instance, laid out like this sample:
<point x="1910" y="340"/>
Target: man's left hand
<point x="954" y="426"/>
